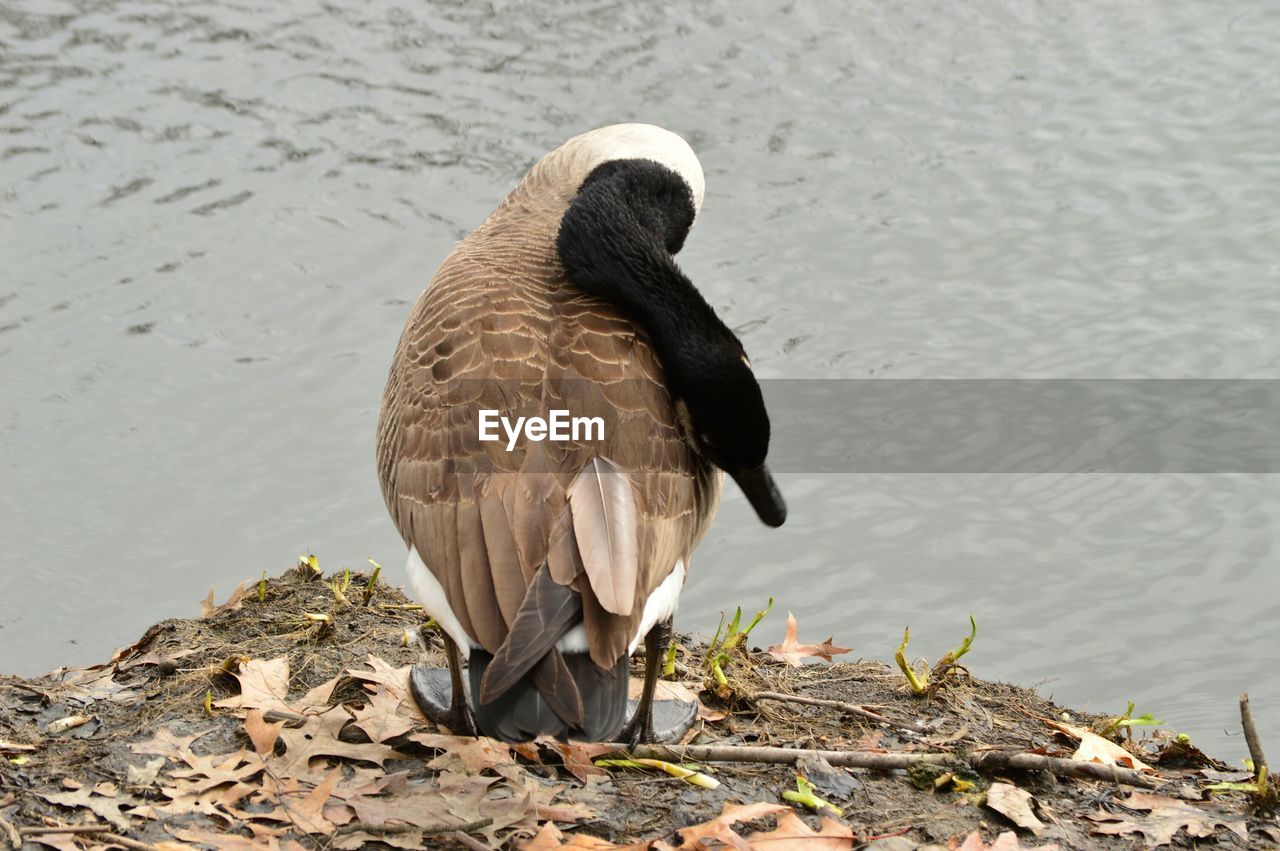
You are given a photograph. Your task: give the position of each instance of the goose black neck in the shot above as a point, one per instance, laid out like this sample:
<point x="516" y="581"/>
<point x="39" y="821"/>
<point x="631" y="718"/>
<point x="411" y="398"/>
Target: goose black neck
<point x="616" y="241"/>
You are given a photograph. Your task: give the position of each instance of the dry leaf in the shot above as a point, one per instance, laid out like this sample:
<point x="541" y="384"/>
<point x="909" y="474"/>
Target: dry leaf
<point x="228" y="841"/>
<point x="146" y="774"/>
<point x="792" y="834"/>
<point x="316" y="700"/>
<point x="1015" y="805"/>
<point x="208" y="609"/>
<point x="1094" y="748"/>
<point x="106" y="808"/>
<point x="1166" y="817"/>
<point x="667" y="690"/>
<point x="167" y="744"/>
<point x="319" y="737"/>
<point x="308" y="813"/>
<point x="1007" y="841"/>
<point x="578" y="757"/>
<point x="380" y="717"/>
<point x="720" y="828"/>
<point x="473" y="755"/>
<point x="264" y="684"/>
<point x="791" y="652"/>
<point x="551" y="837"/>
<point x="397" y="679"/>
<point x="261" y="733"/>
<point x="209" y="771"/>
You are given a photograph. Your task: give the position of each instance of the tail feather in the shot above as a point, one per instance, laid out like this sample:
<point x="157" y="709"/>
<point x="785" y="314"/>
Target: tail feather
<point x="524" y="712"/>
<point x="548" y="611"/>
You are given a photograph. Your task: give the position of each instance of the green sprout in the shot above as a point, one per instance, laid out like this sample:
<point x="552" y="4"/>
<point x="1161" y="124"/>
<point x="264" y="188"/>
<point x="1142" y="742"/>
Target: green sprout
<point x="262" y="588"/>
<point x="805" y="796"/>
<point x="1259" y="786"/>
<point x="340" y="586"/>
<point x="724" y="642"/>
<point x="669" y="662"/>
<point x="919" y="680"/>
<point x="373" y="581"/>
<point x="688" y="773"/>
<point x="1128" y="722"/>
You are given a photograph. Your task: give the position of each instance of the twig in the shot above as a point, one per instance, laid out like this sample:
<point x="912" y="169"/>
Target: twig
<point x="427" y="830"/>
<point x="117" y="839"/>
<point x="99" y="830"/>
<point x="459" y="836"/>
<point x="73" y="828"/>
<point x="844" y="707"/>
<point x="10" y="833"/>
<point x="1251" y="736"/>
<point x="891" y="762"/>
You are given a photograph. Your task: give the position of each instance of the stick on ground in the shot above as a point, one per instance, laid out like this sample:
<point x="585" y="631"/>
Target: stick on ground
<point x="1251" y="735"/>
<point x="891" y="762"/>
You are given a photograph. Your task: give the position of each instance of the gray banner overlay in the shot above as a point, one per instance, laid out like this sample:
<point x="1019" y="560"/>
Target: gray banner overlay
<point x="965" y="425"/>
<point x="1024" y="426"/>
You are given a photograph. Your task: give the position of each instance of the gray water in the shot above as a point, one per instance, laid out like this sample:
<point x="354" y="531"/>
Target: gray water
<point x="214" y="216"/>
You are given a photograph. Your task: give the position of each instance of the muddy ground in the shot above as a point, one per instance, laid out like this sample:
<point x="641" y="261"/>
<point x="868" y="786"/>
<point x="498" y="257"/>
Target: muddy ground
<point x="280" y="719"/>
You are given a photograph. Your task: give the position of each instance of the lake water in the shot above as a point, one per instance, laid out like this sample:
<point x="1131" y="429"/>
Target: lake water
<point x="214" y="216"/>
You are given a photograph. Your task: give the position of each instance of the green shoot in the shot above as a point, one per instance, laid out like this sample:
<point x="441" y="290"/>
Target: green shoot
<point x="669" y="662"/>
<point x="724" y="642"/>
<point x="262" y="588"/>
<point x="340" y="586"/>
<point x="373" y="581"/>
<point x="919" y="683"/>
<point x="1260" y="786"/>
<point x="805" y="796"/>
<point x="953" y="656"/>
<point x="1128" y="722"/>
<point x="689" y="774"/>
<point x="919" y="680"/>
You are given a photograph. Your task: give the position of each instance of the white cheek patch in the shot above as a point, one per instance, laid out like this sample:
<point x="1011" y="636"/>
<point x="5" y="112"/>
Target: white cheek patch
<point x="643" y="142"/>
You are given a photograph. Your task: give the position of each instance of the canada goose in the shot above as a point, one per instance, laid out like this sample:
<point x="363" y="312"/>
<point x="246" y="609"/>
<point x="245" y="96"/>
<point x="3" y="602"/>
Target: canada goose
<point x="546" y="565"/>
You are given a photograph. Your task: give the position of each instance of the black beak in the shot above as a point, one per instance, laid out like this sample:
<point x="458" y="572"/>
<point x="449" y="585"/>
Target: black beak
<point x="763" y="494"/>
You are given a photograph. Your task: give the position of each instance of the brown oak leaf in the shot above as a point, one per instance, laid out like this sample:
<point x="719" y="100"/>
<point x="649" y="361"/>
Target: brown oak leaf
<point x="1165" y="817"/>
<point x="720" y="829"/>
<point x="792" y="652"/>
<point x="473" y="755"/>
<point x="1015" y="805"/>
<point x="262" y="733"/>
<point x="1094" y="748"/>
<point x="209" y="609"/>
<point x="380" y="718"/>
<point x="318" y="737"/>
<point x="264" y="684"/>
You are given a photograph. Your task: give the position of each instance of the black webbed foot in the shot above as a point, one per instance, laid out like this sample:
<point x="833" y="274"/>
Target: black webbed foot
<point x="667" y="723"/>
<point x="432" y="690"/>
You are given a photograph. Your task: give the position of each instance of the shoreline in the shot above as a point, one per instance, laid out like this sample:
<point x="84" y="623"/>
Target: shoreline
<point x="281" y="719"/>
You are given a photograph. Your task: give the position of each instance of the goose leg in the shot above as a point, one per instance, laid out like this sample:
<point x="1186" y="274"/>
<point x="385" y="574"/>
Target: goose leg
<point x="676" y="716"/>
<point x="444" y="704"/>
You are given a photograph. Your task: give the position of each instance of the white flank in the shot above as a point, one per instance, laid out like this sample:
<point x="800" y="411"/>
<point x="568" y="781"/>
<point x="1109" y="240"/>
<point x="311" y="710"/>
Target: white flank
<point x="660" y="606"/>
<point x="661" y="603"/>
<point x="430" y="594"/>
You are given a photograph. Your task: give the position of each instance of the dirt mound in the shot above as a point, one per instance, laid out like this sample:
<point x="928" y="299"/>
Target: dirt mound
<point x="281" y="719"/>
